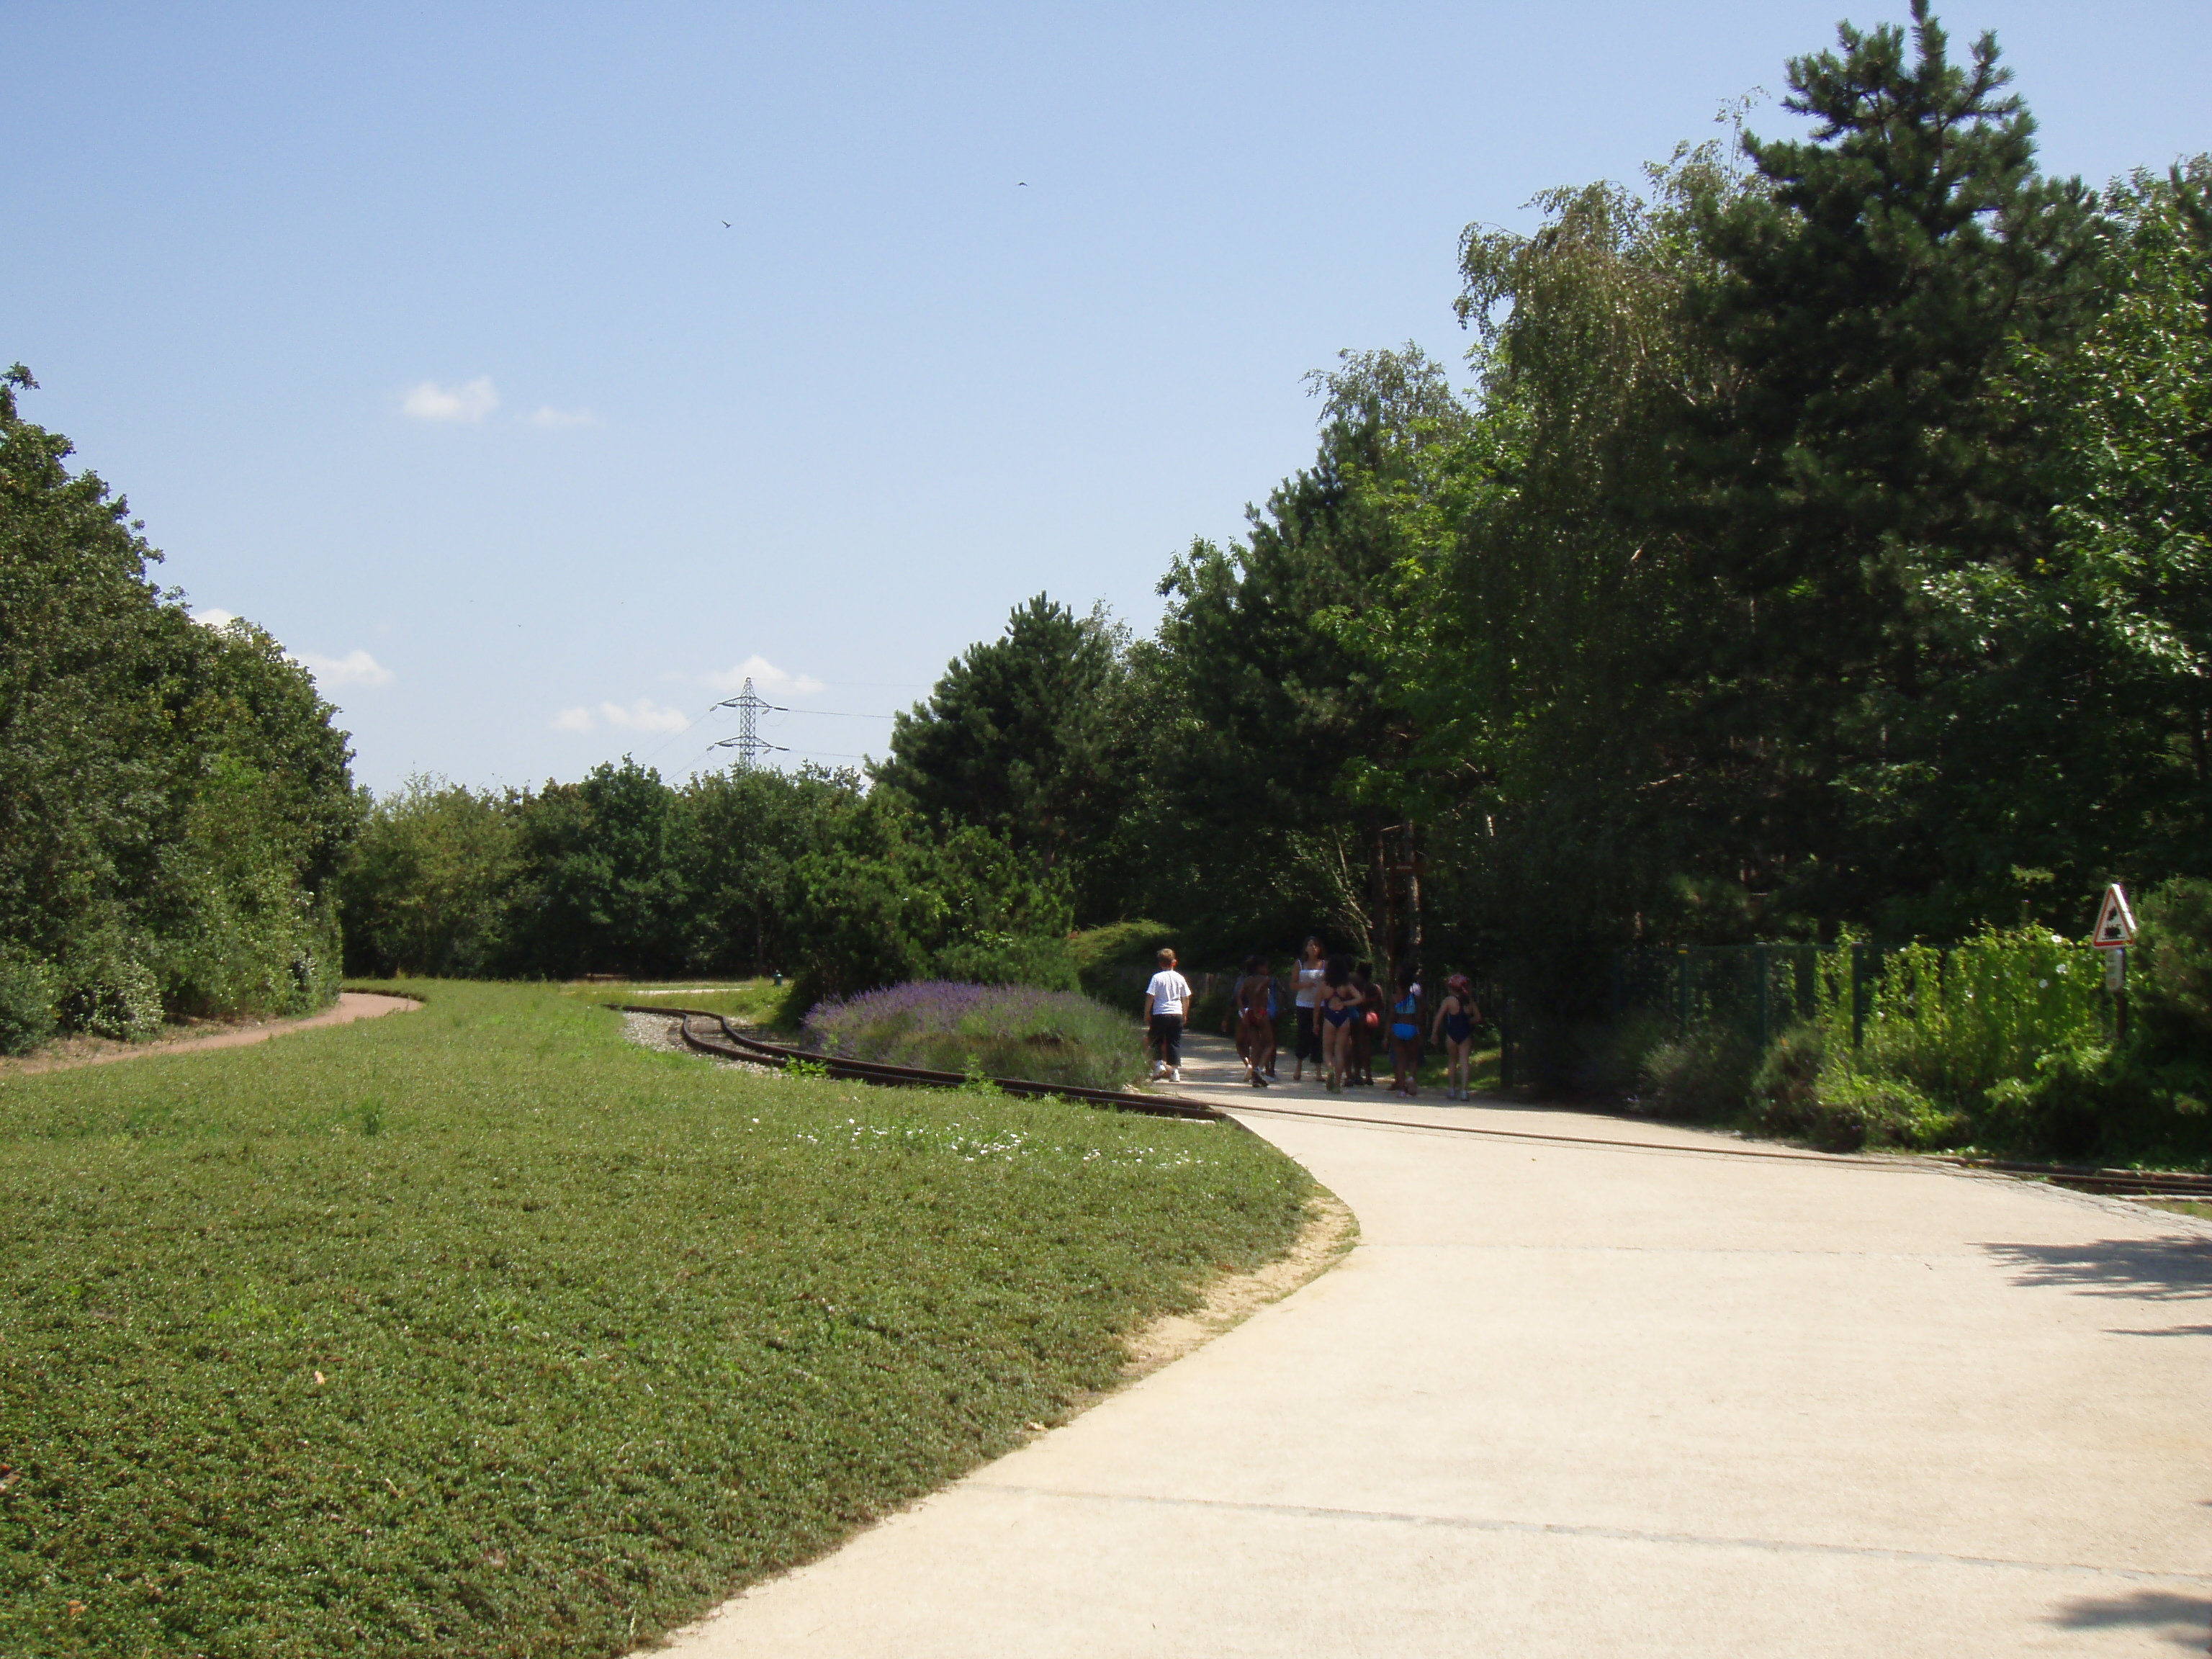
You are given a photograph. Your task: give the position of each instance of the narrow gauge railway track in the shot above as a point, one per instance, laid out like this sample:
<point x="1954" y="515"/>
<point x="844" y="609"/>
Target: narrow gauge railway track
<point x="2131" y="1183"/>
<point x="719" y="1038"/>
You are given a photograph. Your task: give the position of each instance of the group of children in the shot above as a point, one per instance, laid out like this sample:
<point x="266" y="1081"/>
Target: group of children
<point x="1341" y="1011"/>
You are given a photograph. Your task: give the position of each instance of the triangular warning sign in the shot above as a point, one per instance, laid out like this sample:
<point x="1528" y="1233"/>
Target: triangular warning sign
<point x="2116" y="923"/>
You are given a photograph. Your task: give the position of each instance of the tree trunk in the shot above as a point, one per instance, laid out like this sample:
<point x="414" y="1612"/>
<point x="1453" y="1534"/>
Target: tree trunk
<point x="1412" y="907"/>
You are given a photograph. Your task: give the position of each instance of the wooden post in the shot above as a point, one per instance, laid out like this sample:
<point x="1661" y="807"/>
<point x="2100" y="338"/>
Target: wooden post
<point x="1505" y="1040"/>
<point x="1860" y="978"/>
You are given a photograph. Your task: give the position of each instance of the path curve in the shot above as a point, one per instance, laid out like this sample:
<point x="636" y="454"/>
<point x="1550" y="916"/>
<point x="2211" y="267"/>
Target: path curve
<point x="1568" y="1399"/>
<point x="351" y="1006"/>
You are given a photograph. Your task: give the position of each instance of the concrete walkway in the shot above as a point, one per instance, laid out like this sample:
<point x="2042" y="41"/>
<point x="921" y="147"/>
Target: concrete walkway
<point x="1571" y="1399"/>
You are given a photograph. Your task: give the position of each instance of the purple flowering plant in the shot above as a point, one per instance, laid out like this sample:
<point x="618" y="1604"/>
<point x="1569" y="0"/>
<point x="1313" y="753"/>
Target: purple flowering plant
<point x="997" y="1030"/>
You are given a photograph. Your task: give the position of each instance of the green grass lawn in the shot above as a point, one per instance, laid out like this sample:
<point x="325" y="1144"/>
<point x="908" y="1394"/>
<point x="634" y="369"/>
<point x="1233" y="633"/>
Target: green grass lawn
<point x="1482" y="1070"/>
<point x="479" y="1330"/>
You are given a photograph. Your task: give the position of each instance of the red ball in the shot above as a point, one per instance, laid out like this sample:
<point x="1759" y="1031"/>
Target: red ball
<point x="1374" y="1019"/>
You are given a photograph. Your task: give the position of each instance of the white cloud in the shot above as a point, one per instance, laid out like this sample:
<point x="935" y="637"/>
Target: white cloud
<point x="470" y="401"/>
<point x="642" y="715"/>
<point x="209" y="616"/>
<point x="546" y="415"/>
<point x="645" y="715"/>
<point x="354" y="668"/>
<point x="765" y="676"/>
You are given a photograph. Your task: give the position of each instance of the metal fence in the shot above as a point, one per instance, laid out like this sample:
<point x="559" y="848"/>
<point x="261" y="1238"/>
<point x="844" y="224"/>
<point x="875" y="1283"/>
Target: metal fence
<point x="1756" y="990"/>
<point x="1761" y="989"/>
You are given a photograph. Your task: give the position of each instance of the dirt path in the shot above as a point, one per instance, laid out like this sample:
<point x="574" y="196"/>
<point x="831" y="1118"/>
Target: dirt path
<point x="73" y="1052"/>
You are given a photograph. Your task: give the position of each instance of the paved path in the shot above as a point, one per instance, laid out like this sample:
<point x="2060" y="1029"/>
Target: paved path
<point x="349" y="1006"/>
<point x="1580" y="1400"/>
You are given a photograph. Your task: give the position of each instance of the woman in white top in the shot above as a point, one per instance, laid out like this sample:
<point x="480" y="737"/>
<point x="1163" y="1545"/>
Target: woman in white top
<point x="1311" y="971"/>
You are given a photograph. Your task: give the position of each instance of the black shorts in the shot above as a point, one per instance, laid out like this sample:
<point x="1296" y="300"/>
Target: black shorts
<point x="1309" y="1043"/>
<point x="1167" y="1033"/>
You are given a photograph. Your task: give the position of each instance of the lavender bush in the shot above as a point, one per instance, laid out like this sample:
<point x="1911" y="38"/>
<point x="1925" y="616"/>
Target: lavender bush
<point x="999" y="1030"/>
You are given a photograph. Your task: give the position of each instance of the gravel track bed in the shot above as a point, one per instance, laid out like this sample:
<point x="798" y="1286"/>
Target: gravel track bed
<point x="659" y="1031"/>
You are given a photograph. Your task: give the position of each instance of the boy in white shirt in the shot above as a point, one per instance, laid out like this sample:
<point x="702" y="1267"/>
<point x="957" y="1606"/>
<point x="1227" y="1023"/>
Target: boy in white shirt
<point x="1167" y="1006"/>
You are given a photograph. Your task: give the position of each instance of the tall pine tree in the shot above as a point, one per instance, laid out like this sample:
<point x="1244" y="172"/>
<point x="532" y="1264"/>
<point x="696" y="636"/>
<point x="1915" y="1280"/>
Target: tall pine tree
<point x="1860" y="451"/>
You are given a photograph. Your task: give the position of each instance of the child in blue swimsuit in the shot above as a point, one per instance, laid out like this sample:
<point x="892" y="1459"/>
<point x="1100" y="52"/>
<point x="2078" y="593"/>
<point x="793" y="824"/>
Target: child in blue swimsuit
<point x="1405" y="1039"/>
<point x="1455" y="1025"/>
<point x="1340" y="998"/>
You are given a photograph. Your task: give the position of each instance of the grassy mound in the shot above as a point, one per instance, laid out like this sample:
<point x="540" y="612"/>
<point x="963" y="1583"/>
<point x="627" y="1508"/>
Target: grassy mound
<point x="750" y="1001"/>
<point x="477" y="1331"/>
<point x="997" y="1030"/>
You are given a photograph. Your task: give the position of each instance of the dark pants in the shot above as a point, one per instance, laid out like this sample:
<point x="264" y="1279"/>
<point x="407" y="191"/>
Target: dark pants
<point x="1309" y="1043"/>
<point x="1166" y="1036"/>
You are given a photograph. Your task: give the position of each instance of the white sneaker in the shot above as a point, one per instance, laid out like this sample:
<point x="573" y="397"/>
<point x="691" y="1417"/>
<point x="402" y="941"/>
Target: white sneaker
<point x="1174" y="1074"/>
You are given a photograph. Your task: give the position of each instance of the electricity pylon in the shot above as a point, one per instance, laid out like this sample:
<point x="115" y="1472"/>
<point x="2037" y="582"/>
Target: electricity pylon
<point x="748" y="743"/>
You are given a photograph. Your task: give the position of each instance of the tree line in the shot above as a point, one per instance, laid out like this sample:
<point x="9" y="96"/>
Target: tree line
<point x="741" y="872"/>
<point x="174" y="801"/>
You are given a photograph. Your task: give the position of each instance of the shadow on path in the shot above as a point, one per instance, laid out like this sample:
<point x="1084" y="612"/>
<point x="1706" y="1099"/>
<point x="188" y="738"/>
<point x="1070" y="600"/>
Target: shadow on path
<point x="2141" y="1269"/>
<point x="2137" y="1269"/>
<point x="2186" y="1621"/>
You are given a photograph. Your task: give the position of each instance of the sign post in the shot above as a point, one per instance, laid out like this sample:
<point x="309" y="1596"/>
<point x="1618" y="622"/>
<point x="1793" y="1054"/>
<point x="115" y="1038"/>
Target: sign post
<point x="2114" y="932"/>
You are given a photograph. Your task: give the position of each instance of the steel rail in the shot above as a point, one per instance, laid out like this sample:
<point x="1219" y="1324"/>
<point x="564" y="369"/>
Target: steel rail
<point x="732" y="1044"/>
<point x="2163" y="1183"/>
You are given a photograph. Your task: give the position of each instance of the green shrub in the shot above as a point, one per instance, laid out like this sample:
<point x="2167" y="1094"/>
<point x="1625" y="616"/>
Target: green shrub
<point x="1707" y="1078"/>
<point x="2097" y="1103"/>
<point x="2057" y="1111"/>
<point x="1786" y="1088"/>
<point x="2170" y="977"/>
<point x="109" y="991"/>
<point x="892" y="902"/>
<point x="1041" y="960"/>
<point x="1612" y="1058"/>
<point x="255" y="944"/>
<point x="1104" y="957"/>
<point x="1804" y="1091"/>
<point x="1954" y="1023"/>
<point x="1851" y="1110"/>
<point x="984" y="1031"/>
<point x="27" y="988"/>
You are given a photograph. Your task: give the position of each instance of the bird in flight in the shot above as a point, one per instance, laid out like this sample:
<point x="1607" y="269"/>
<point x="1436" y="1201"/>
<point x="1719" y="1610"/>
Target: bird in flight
<point x="1021" y="183"/>
<point x="726" y="224"/>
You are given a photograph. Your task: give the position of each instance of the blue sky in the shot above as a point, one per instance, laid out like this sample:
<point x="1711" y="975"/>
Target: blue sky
<point x="415" y="334"/>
